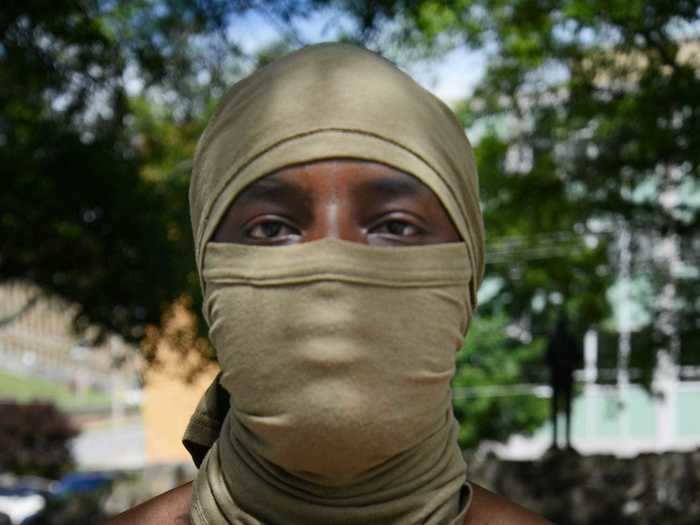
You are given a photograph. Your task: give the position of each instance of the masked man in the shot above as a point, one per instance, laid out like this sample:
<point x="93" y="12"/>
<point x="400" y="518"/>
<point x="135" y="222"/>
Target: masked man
<point x="340" y="247"/>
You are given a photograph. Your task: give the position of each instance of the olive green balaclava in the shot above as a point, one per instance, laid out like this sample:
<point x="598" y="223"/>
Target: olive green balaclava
<point x="336" y="358"/>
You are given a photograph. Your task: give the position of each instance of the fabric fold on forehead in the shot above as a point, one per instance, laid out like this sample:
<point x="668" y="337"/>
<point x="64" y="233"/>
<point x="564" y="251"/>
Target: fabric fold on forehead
<point x="334" y="101"/>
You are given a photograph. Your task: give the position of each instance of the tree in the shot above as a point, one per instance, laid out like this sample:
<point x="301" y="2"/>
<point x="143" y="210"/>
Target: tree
<point x="88" y="210"/>
<point x="489" y="357"/>
<point x="587" y="124"/>
<point x="94" y="208"/>
<point x="101" y="104"/>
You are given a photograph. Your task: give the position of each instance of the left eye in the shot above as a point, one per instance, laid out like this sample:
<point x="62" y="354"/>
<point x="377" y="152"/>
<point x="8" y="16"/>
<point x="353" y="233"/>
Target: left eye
<point x="398" y="228"/>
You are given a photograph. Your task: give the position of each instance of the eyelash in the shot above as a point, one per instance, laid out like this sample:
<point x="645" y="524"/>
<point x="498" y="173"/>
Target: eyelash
<point x="282" y="224"/>
<point x="396" y="217"/>
<point x="262" y="224"/>
<point x="403" y="223"/>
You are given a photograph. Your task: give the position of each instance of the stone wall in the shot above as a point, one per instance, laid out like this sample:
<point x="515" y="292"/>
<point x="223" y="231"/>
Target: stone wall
<point x="572" y="489"/>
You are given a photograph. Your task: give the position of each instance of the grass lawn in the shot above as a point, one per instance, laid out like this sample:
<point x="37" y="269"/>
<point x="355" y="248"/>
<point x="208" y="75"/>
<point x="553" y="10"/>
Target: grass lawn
<point x="23" y="389"/>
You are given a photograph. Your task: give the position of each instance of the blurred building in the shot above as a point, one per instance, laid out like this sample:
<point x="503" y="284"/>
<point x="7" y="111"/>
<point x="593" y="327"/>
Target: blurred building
<point x="97" y="383"/>
<point x="623" y="419"/>
<point x="36" y="341"/>
<point x="130" y="414"/>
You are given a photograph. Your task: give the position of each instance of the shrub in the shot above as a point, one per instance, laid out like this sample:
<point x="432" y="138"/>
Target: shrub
<point x="35" y="439"/>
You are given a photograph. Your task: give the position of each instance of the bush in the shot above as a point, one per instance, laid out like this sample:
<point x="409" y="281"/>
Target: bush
<point x="34" y="439"/>
<point x="490" y="357"/>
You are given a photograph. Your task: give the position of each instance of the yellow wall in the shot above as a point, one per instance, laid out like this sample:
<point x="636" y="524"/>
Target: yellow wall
<point x="169" y="400"/>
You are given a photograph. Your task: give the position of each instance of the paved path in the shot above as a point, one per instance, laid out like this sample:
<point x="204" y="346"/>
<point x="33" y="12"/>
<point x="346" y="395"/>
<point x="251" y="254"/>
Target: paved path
<point x="118" y="445"/>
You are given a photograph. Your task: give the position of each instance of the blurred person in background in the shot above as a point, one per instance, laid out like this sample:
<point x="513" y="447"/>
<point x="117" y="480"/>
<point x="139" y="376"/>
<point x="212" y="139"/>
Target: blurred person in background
<point x="340" y="247"/>
<point x="564" y="356"/>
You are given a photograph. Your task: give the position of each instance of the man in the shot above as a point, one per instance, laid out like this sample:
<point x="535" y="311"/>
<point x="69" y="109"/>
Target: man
<point x="340" y="246"/>
<point x="563" y="358"/>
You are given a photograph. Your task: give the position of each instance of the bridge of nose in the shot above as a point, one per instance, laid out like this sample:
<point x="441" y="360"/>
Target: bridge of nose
<point x="333" y="209"/>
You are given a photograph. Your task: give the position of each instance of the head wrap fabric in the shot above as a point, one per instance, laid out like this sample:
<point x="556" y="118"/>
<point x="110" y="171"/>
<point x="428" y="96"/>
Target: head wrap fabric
<point x="334" y="101"/>
<point x="337" y="357"/>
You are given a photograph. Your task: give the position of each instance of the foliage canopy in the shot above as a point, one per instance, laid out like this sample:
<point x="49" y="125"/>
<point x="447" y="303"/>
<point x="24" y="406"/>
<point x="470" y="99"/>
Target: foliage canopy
<point x="586" y="124"/>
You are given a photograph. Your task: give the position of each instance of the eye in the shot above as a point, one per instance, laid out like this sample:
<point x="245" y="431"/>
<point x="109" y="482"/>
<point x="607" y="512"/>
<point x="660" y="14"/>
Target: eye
<point x="398" y="228"/>
<point x="269" y="230"/>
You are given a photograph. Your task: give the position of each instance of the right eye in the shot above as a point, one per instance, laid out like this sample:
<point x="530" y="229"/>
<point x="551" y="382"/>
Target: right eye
<point x="269" y="230"/>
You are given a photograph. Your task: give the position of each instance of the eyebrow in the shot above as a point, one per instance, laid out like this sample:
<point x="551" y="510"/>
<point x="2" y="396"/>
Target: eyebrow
<point x="393" y="187"/>
<point x="270" y="189"/>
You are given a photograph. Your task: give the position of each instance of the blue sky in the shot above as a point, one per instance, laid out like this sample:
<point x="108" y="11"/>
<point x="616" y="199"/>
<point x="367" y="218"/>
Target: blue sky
<point x="451" y="77"/>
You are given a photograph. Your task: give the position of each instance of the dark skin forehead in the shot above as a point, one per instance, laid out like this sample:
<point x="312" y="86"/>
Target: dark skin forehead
<point x="353" y="200"/>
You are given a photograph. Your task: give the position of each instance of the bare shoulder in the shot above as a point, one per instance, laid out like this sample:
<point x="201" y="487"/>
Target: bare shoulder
<point x="172" y="507"/>
<point x="488" y="508"/>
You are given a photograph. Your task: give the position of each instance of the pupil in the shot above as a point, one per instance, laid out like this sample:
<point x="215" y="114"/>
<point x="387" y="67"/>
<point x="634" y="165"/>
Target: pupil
<point x="271" y="229"/>
<point x="396" y="228"/>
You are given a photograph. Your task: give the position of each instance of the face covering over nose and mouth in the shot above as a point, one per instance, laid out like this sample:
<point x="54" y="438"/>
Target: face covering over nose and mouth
<point x="336" y="357"/>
